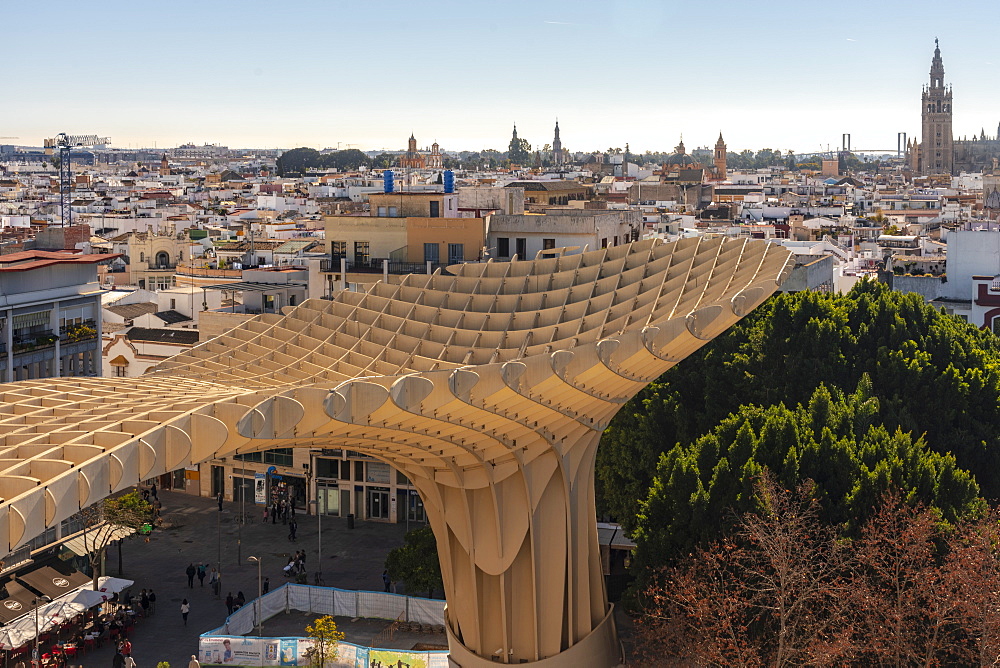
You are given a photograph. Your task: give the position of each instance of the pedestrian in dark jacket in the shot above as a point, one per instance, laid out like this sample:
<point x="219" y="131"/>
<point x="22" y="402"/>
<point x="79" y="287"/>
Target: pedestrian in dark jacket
<point x="191" y="572"/>
<point x="152" y="601"/>
<point x="118" y="661"/>
<point x="267" y="585"/>
<point x="274" y="513"/>
<point x="230" y="603"/>
<point x="201" y="574"/>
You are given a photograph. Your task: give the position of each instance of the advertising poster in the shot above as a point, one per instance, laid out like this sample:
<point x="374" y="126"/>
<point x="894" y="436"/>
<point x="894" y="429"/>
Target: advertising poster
<point x="360" y="657"/>
<point x="289" y="651"/>
<point x="385" y="658"/>
<point x="230" y="651"/>
<point x="259" y="489"/>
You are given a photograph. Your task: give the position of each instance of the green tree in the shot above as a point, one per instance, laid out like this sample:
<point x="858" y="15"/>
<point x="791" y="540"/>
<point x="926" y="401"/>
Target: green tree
<point x="383" y="161"/>
<point x="519" y="151"/>
<point x="325" y="636"/>
<point x="415" y="563"/>
<point x="104" y="522"/>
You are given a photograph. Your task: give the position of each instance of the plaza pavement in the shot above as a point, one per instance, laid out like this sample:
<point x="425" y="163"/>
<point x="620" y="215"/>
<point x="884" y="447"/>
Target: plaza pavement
<point x="352" y="559"/>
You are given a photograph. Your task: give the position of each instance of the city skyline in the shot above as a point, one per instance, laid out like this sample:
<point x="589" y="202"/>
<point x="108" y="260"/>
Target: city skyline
<point x="783" y="76"/>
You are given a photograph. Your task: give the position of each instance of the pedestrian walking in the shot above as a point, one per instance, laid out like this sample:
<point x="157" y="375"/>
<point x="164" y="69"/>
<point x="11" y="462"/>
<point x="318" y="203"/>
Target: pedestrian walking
<point x="185" y="609"/>
<point x="284" y="512"/>
<point x="213" y="581"/>
<point x="126" y="647"/>
<point x="241" y="600"/>
<point x="385" y="579"/>
<point x="220" y="502"/>
<point x="152" y="491"/>
<point x="274" y="513"/>
<point x="267" y="585"/>
<point x="302" y="561"/>
<point x="119" y="660"/>
<point x="202" y="572"/>
<point x="292" y="528"/>
<point x="129" y="662"/>
<point x="191" y="572"/>
<point x="230" y="602"/>
<point x="193" y="663"/>
<point x="144" y="603"/>
<point x="152" y="602"/>
<point x="265" y="514"/>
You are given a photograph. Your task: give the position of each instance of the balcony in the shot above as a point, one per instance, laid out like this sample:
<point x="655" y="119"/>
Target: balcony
<point x="32" y="341"/>
<point x="84" y="331"/>
<point x="162" y="266"/>
<point x="374" y="266"/>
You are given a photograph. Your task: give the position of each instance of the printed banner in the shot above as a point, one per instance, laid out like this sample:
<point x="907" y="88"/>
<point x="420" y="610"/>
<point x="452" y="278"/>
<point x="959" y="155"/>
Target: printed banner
<point x="259" y="489"/>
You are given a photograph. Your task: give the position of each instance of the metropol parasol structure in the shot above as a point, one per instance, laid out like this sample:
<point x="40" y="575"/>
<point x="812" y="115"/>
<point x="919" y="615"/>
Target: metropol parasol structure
<point x="488" y="385"/>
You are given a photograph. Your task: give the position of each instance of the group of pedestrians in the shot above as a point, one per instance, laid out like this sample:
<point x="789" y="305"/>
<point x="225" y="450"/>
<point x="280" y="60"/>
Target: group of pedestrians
<point x="202" y="571"/>
<point x="283" y="509"/>
<point x="234" y="604"/>
<point x="296" y="564"/>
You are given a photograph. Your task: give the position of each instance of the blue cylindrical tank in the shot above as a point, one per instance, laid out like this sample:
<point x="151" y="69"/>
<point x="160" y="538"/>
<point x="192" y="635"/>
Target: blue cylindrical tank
<point x="449" y="181"/>
<point x="387" y="181"/>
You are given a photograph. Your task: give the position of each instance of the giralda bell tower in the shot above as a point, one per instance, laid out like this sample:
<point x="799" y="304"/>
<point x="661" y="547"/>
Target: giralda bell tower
<point x="936" y="154"/>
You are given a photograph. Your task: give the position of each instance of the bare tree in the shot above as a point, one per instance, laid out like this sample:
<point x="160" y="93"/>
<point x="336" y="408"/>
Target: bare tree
<point x="772" y="595"/>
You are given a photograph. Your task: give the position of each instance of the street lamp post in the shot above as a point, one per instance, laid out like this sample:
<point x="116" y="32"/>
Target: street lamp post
<point x="318" y="578"/>
<point x="35" y="602"/>
<point x="260" y="622"/>
<point x="239" y="526"/>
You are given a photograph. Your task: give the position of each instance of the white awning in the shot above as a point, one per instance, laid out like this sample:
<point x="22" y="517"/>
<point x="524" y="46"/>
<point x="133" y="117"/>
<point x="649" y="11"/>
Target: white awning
<point x="111" y="585"/>
<point x="96" y="536"/>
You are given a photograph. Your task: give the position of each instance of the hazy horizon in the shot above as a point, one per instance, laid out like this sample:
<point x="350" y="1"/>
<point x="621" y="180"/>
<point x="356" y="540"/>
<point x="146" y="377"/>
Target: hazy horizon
<point x="365" y="75"/>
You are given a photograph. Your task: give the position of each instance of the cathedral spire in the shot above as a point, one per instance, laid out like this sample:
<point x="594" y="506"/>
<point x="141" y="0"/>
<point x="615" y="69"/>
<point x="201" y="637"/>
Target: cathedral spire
<point x="937" y="67"/>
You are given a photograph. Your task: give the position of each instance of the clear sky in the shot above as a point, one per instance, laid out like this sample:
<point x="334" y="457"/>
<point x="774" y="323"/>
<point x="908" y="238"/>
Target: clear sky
<point x="772" y="73"/>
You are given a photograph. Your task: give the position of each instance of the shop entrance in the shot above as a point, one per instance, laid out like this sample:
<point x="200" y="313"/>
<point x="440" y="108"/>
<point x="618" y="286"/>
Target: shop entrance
<point x="378" y="503"/>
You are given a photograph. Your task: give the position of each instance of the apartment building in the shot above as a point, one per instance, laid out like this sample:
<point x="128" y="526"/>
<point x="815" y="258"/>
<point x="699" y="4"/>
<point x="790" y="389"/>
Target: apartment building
<point x="50" y="315"/>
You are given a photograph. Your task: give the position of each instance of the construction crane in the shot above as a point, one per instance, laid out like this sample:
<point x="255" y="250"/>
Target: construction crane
<point x="65" y="143"/>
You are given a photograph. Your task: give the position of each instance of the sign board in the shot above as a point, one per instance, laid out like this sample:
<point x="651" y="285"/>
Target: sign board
<point x="259" y="489"/>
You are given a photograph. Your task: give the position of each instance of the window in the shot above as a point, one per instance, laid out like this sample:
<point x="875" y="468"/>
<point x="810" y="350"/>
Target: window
<point x="503" y="247"/>
<point x="173" y="304"/>
<point x="522" y="247"/>
<point x="435" y="209"/>
<point x="142" y="257"/>
<point x="456" y="253"/>
<point x="361" y="252"/>
<point x="381" y="212"/>
<point x="276" y="456"/>
<point x="616" y="240"/>
<point x="548" y="244"/>
<point x="338" y="249"/>
<point x="393" y="212"/>
<point x="432" y="253"/>
<point x="359" y="471"/>
<point x="120" y="371"/>
<point x="604" y="242"/>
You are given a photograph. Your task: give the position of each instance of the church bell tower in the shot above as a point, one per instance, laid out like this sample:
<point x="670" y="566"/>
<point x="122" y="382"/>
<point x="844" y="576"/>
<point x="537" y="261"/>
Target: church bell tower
<point x="936" y="150"/>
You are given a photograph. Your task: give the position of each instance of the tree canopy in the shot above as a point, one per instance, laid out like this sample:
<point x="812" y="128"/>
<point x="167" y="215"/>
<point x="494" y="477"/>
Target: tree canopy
<point x="415" y="563"/>
<point x="300" y="160"/>
<point x="860" y="392"/>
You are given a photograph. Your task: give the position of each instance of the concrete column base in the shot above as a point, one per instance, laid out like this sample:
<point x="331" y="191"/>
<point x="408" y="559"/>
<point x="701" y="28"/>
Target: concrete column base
<point x="600" y="649"/>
